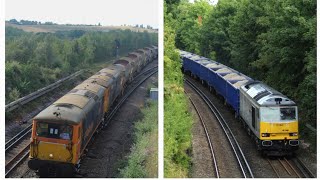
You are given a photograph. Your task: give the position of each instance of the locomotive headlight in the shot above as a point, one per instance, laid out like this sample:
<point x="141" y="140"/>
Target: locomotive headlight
<point x="51" y="156"/>
<point x="265" y="134"/>
<point x="293" y="134"/>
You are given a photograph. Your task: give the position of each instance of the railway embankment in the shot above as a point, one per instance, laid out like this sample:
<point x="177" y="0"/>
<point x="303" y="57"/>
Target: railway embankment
<point x="142" y="161"/>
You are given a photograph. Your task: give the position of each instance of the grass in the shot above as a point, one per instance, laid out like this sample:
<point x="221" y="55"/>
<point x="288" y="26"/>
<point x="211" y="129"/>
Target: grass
<point x="142" y="162"/>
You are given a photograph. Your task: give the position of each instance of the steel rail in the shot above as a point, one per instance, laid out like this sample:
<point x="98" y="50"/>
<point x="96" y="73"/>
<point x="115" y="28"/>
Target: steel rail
<point x="17" y="137"/>
<point x="10" y="166"/>
<point x="214" y="161"/>
<point x="304" y="168"/>
<point x="243" y="164"/>
<point x="274" y="169"/>
<point x="294" y="170"/>
<point x="284" y="166"/>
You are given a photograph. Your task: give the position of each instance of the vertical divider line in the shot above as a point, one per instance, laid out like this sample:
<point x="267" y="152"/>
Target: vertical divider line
<point x="161" y="91"/>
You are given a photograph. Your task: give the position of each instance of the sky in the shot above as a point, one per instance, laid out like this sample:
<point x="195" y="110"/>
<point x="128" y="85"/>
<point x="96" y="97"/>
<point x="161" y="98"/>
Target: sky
<point x="106" y="12"/>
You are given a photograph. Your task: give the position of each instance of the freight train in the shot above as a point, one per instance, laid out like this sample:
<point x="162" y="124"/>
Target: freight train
<point x="270" y="117"/>
<point x="61" y="132"/>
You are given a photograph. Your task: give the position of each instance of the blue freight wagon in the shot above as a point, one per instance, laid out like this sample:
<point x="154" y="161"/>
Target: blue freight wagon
<point x="224" y="80"/>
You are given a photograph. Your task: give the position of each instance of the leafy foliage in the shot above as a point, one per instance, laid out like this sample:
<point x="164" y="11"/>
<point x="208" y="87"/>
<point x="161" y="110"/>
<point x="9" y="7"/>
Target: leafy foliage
<point x="34" y="60"/>
<point x="177" y="120"/>
<point x="272" y="41"/>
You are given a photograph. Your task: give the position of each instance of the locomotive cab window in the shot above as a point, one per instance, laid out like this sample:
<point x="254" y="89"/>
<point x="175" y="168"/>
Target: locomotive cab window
<point x="276" y="114"/>
<point x="56" y="131"/>
<point x="288" y="113"/>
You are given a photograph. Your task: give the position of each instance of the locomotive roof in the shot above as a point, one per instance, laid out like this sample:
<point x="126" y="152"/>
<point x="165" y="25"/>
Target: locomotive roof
<point x="73" y="99"/>
<point x="100" y="76"/>
<point x="61" y="113"/>
<point x="99" y="81"/>
<point x="265" y="95"/>
<point x="89" y="86"/>
<point x="110" y="70"/>
<point x="71" y="108"/>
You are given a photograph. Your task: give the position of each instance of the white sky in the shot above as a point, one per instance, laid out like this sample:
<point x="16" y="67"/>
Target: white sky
<point x="107" y="12"/>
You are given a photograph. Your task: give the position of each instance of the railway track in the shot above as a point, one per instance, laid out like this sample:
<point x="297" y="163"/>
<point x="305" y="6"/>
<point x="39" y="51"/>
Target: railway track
<point x="17" y="148"/>
<point x="213" y="156"/>
<point x="241" y="159"/>
<point x="290" y="168"/>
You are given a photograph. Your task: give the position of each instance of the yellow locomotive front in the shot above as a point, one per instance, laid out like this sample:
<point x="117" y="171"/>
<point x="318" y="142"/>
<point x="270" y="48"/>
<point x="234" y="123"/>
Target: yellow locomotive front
<point x="271" y="118"/>
<point x="55" y="141"/>
<point x="279" y="128"/>
<point x="52" y="145"/>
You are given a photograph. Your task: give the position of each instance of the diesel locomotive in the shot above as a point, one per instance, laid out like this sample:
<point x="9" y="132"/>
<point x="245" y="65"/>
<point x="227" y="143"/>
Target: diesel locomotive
<point x="61" y="132"/>
<point x="270" y="117"/>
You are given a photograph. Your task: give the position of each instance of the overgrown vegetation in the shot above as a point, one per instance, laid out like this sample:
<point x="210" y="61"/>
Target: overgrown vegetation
<point x="272" y="41"/>
<point x="177" y="120"/>
<point x="34" y="60"/>
<point x="143" y="159"/>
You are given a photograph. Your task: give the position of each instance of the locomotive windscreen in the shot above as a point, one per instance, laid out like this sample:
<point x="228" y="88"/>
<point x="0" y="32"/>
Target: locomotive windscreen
<point x="278" y="114"/>
<point x="51" y="130"/>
